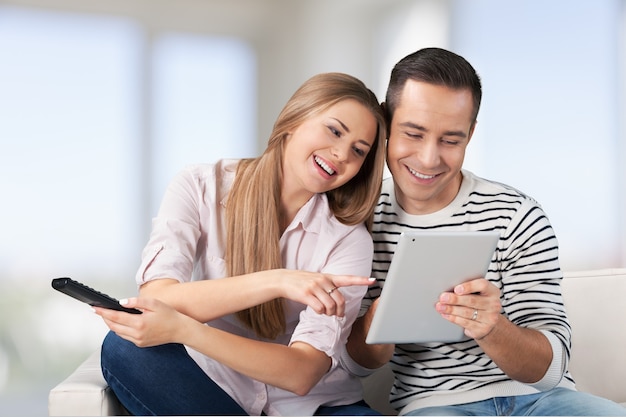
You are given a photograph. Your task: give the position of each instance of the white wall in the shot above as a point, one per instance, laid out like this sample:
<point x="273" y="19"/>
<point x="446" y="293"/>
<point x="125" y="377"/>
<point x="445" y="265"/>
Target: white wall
<point x="550" y="123"/>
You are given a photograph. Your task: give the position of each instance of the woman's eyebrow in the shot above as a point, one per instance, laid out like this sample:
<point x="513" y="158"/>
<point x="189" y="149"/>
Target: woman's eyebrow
<point x="362" y="141"/>
<point x="342" y="124"/>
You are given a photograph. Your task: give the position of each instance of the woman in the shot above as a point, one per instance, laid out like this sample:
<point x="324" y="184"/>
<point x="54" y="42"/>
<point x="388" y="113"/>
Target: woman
<point x="288" y="229"/>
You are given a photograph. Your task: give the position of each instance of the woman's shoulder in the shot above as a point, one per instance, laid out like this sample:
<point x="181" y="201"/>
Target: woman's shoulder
<point x="221" y="168"/>
<point x="208" y="174"/>
<point x="206" y="180"/>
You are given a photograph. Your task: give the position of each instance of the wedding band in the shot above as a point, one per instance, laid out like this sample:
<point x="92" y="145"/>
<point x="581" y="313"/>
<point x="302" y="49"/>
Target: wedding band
<point x="331" y="290"/>
<point x="475" y="315"/>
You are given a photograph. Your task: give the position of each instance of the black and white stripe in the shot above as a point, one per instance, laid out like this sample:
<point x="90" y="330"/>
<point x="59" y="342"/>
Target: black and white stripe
<point x="525" y="267"/>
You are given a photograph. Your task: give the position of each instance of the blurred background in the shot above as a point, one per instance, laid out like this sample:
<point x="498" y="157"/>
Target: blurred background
<point x="102" y="102"/>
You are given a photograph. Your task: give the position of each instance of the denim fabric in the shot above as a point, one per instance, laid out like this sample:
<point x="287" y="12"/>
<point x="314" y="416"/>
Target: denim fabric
<point x="357" y="409"/>
<point x="161" y="380"/>
<point x="165" y="380"/>
<point x="556" y="402"/>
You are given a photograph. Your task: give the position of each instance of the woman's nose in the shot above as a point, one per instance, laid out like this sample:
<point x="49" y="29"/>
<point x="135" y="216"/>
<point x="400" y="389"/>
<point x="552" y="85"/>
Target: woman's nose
<point x="340" y="152"/>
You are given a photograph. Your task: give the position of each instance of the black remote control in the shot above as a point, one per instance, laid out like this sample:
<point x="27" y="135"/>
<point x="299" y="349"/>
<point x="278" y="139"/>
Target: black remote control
<point x="88" y="295"/>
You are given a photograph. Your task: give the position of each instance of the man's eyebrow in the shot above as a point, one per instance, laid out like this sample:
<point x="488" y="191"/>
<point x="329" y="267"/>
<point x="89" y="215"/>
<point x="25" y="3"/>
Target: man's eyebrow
<point x="362" y="141"/>
<point x="412" y="125"/>
<point x="421" y="128"/>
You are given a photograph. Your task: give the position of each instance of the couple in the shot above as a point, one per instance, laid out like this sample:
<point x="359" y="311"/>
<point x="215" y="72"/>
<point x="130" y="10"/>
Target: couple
<point x="292" y="230"/>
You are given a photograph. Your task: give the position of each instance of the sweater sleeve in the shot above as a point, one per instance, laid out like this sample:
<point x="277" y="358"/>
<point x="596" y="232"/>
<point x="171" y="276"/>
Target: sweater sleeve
<point x="531" y="284"/>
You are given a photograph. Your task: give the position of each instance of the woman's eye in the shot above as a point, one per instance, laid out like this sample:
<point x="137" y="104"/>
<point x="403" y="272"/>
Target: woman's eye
<point x="334" y="131"/>
<point x="359" y="151"/>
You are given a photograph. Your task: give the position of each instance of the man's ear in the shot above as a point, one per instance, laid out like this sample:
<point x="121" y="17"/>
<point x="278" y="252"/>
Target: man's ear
<point x="471" y="131"/>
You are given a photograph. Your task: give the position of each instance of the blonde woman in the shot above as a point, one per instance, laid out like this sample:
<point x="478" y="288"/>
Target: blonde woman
<point x="289" y="230"/>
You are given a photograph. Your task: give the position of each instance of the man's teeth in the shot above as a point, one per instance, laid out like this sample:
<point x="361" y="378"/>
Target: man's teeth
<point x="324" y="166"/>
<point x="422" y="176"/>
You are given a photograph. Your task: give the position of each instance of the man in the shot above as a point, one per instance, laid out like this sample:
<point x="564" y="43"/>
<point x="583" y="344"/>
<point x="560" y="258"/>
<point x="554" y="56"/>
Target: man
<point x="517" y="347"/>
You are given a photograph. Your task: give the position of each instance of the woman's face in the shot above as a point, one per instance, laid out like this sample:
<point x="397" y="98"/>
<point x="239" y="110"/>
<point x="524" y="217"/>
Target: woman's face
<point x="328" y="149"/>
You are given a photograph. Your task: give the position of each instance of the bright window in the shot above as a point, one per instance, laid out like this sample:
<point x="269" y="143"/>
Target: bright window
<point x="204" y="104"/>
<point x="92" y="114"/>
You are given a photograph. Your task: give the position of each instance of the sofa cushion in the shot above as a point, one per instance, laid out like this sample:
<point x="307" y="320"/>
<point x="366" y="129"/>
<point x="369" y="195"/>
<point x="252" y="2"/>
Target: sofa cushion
<point x="84" y="393"/>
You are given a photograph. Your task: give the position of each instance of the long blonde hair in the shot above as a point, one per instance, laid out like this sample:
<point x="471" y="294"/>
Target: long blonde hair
<point x="252" y="216"/>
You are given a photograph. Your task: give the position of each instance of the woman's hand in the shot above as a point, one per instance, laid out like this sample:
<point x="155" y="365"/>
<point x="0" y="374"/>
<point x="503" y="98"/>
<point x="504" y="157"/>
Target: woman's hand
<point x="318" y="290"/>
<point x="158" y="324"/>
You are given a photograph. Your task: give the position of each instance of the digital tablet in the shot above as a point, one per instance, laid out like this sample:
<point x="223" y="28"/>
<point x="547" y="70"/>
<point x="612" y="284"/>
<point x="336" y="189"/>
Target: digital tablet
<point x="424" y="265"/>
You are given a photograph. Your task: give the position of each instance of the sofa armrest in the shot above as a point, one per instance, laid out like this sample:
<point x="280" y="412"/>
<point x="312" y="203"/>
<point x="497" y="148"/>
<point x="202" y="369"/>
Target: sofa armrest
<point x="84" y="393"/>
<point x="597" y="312"/>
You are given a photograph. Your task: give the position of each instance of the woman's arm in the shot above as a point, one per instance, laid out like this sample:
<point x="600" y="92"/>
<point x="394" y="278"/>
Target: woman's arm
<point x="270" y="363"/>
<point x="209" y="299"/>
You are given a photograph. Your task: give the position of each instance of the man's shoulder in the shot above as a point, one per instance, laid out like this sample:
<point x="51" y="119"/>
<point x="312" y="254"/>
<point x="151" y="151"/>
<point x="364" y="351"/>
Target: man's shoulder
<point x="386" y="191"/>
<point x="475" y="185"/>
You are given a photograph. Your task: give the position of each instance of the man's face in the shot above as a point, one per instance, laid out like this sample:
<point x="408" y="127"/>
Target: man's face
<point x="430" y="130"/>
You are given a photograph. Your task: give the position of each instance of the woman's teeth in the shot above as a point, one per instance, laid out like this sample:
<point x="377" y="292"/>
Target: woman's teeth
<point x="324" y="166"/>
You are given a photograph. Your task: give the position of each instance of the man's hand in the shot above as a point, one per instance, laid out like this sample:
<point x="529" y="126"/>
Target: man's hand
<point x="523" y="354"/>
<point x="474" y="305"/>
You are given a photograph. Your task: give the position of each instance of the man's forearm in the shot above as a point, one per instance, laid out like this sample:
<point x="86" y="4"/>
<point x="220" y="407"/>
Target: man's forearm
<point x="368" y="356"/>
<point x="523" y="354"/>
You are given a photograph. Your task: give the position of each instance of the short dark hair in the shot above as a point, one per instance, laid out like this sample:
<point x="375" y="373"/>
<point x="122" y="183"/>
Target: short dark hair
<point x="434" y="66"/>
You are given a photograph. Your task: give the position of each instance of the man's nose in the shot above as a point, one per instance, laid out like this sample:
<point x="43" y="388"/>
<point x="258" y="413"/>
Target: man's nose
<point x="428" y="154"/>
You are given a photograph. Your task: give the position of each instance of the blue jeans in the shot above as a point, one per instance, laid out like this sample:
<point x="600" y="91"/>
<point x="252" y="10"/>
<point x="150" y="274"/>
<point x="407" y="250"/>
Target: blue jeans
<point x="165" y="380"/>
<point x="556" y="402"/>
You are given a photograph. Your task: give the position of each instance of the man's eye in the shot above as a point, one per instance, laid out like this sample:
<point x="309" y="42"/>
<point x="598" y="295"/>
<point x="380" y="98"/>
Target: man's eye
<point x="414" y="135"/>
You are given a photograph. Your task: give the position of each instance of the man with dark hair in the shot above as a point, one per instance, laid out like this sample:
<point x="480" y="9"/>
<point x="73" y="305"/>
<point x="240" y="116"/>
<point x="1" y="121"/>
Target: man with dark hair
<point x="514" y="357"/>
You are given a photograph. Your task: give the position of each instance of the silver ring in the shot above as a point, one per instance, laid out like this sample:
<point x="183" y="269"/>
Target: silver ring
<point x="475" y="315"/>
<point x="329" y="292"/>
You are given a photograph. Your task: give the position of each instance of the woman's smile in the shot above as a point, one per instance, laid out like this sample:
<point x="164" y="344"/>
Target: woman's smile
<point x="325" y="166"/>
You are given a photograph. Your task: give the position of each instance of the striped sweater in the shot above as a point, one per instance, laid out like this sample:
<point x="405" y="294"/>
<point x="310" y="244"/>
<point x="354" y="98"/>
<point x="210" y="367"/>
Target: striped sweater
<point x="525" y="267"/>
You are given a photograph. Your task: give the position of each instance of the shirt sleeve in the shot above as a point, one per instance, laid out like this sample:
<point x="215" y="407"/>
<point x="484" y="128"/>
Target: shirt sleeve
<point x="351" y="256"/>
<point x="171" y="249"/>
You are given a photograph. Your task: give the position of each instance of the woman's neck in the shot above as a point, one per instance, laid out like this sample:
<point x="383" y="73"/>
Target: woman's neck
<point x="290" y="204"/>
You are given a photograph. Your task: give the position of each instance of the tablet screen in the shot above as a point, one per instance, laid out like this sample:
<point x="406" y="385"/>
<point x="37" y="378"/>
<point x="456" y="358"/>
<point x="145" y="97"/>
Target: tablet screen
<point x="424" y="265"/>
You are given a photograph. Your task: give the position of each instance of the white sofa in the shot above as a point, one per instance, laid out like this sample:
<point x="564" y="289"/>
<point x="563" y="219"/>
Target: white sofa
<point x="597" y="312"/>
